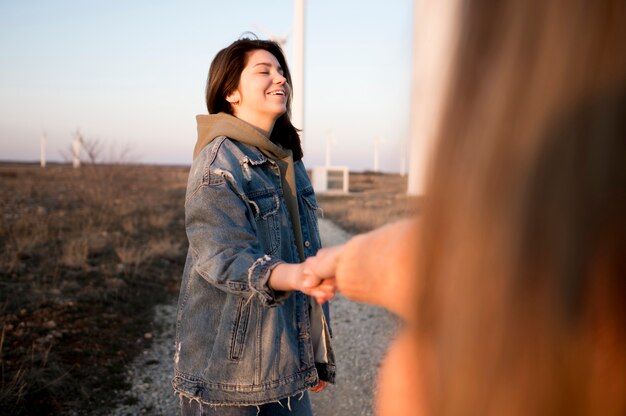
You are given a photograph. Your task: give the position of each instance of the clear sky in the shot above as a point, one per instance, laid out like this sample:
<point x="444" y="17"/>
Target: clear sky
<point x="132" y="73"/>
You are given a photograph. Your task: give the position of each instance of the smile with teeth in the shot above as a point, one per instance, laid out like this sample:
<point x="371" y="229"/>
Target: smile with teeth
<point x="278" y="92"/>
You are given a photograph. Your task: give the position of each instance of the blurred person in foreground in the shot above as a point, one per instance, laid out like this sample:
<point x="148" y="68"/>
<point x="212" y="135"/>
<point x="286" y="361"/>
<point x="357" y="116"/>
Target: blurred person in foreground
<point x="513" y="280"/>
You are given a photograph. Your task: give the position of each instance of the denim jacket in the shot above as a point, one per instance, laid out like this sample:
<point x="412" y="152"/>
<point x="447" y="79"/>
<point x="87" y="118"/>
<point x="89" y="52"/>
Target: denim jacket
<point x="239" y="342"/>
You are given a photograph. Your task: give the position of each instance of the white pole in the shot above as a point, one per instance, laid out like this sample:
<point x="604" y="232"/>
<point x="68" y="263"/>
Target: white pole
<point x="376" y="154"/>
<point x="42" y="156"/>
<point x="297" y="70"/>
<point x="377" y="141"/>
<point x="435" y="26"/>
<point x="403" y="160"/>
<point x="76" y="150"/>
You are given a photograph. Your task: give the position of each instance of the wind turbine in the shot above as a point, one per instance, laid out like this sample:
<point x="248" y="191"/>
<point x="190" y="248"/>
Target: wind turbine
<point x="403" y="163"/>
<point x="297" y="70"/>
<point x="42" y="155"/>
<point x="377" y="141"/>
<point x="435" y="30"/>
<point x="78" y="139"/>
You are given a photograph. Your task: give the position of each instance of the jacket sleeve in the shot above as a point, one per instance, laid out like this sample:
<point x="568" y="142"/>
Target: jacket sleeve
<point x="222" y="238"/>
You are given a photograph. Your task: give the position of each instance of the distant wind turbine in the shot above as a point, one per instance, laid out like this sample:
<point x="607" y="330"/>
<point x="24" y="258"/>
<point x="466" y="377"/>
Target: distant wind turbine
<point x="42" y="155"/>
<point x="377" y="141"/>
<point x="78" y="139"/>
<point x="404" y="151"/>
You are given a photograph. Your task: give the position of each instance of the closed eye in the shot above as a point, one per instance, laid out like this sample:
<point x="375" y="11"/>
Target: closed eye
<point x="265" y="67"/>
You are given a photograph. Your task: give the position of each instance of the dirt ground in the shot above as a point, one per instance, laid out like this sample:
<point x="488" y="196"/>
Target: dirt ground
<point x="85" y="254"/>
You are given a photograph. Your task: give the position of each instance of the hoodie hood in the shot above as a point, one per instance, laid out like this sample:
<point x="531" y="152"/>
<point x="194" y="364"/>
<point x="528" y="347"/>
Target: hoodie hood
<point x="211" y="126"/>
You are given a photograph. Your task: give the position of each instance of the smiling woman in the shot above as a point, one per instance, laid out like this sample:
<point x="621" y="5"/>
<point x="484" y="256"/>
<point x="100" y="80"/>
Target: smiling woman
<point x="262" y="94"/>
<point x="230" y="69"/>
<point x="251" y="338"/>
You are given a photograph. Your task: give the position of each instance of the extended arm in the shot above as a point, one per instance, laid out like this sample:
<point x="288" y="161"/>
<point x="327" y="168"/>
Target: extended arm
<point x="379" y="267"/>
<point x="228" y="254"/>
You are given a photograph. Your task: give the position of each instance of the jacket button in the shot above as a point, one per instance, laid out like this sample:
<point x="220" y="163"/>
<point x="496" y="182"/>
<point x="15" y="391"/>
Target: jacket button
<point x="307" y="244"/>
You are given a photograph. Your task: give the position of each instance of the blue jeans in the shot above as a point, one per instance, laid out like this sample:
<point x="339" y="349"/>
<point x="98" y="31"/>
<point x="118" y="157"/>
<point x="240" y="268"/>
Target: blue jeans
<point x="299" y="407"/>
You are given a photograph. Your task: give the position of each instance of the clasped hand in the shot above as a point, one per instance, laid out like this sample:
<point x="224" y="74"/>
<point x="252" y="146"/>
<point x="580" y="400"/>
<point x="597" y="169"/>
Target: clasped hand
<point x="318" y="276"/>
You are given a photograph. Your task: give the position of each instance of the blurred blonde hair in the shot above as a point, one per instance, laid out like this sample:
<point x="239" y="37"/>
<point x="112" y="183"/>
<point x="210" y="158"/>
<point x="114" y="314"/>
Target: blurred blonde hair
<point x="524" y="290"/>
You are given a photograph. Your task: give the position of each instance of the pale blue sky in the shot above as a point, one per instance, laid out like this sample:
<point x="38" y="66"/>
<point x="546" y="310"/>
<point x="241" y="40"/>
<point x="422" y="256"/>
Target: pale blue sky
<point x="133" y="73"/>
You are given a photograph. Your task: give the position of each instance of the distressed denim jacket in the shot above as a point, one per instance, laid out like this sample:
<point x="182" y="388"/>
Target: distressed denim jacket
<point x="238" y="341"/>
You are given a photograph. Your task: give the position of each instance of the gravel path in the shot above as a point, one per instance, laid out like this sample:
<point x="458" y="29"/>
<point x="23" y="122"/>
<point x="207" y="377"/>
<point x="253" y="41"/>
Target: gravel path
<point x="361" y="334"/>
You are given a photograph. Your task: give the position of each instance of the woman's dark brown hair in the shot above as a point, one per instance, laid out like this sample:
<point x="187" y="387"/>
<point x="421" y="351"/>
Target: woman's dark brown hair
<point x="223" y="79"/>
<point x="523" y="302"/>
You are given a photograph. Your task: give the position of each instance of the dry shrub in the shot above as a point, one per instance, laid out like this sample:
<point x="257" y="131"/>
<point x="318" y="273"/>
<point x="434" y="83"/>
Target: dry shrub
<point x="22" y="235"/>
<point x="131" y="254"/>
<point x="98" y="241"/>
<point x="123" y="207"/>
<point x="163" y="247"/>
<point x="28" y="231"/>
<point x="130" y="225"/>
<point x="9" y="258"/>
<point x="75" y="252"/>
<point x="11" y="390"/>
<point x="96" y="188"/>
<point x="160" y="220"/>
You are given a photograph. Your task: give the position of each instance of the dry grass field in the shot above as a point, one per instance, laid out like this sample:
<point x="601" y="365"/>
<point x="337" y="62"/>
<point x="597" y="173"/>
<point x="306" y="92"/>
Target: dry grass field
<point x="86" y="253"/>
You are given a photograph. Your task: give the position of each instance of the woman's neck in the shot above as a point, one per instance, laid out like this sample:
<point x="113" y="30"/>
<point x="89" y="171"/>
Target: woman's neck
<point x="262" y="124"/>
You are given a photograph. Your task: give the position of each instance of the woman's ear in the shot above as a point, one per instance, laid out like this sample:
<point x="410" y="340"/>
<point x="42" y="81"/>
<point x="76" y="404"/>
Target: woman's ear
<point x="233" y="97"/>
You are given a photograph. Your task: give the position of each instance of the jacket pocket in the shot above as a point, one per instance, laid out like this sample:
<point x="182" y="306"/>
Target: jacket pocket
<point x="311" y="208"/>
<point x="239" y="329"/>
<point x="265" y="205"/>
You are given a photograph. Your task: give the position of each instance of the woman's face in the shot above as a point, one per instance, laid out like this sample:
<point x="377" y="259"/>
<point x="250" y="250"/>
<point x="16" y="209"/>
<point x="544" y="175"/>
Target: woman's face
<point x="261" y="96"/>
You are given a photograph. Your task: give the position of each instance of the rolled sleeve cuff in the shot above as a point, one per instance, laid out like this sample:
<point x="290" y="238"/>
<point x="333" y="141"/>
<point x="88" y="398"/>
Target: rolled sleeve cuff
<point x="258" y="278"/>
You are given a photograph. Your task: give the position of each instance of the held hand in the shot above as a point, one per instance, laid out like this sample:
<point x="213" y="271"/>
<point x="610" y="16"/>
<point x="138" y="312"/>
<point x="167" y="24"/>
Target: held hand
<point x="319" y="274"/>
<point x="324" y="264"/>
<point x="321" y="289"/>
<point x="287" y="277"/>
